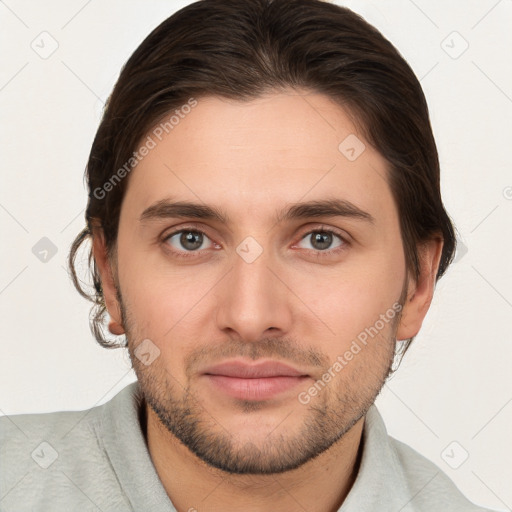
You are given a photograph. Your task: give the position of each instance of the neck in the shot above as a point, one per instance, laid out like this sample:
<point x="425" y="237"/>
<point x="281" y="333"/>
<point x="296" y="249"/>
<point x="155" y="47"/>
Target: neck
<point x="192" y="485"/>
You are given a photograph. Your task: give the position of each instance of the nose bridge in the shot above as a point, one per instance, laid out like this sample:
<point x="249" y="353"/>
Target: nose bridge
<point x="250" y="278"/>
<point x="252" y="300"/>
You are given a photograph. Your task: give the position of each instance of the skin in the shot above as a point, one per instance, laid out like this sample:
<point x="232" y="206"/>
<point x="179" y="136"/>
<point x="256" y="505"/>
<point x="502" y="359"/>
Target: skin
<point x="295" y="303"/>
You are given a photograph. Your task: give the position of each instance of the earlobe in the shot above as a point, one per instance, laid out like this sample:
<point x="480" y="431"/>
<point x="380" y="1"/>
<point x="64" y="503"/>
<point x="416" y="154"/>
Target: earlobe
<point x="115" y="328"/>
<point x="107" y="282"/>
<point x="421" y="291"/>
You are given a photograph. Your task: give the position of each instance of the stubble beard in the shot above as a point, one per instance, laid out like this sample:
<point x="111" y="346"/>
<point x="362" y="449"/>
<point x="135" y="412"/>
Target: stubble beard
<point x="329" y="416"/>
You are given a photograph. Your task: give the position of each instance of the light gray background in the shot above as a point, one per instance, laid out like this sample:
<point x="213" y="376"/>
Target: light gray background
<point x="454" y="385"/>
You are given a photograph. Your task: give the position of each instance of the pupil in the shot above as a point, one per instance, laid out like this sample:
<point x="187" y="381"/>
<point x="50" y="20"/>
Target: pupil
<point x="191" y="240"/>
<point x="322" y="240"/>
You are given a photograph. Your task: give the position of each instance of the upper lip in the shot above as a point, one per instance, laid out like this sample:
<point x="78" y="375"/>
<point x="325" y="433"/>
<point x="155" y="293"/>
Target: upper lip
<point x="253" y="371"/>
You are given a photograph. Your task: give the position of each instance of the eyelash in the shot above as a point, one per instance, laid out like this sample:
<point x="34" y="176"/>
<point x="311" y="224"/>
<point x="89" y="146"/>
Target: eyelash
<point x="319" y="253"/>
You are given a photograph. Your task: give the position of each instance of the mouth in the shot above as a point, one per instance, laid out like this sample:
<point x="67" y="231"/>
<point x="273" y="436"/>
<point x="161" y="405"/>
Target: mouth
<point x="259" y="381"/>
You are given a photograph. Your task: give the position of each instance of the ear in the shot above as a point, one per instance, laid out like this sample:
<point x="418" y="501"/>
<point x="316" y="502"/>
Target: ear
<point x="107" y="281"/>
<point x="420" y="291"/>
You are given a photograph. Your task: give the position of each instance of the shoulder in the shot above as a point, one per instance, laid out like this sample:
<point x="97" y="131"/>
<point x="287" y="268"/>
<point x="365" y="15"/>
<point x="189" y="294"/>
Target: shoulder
<point x="30" y="426"/>
<point x="439" y="492"/>
<point x="51" y="456"/>
<point x="60" y="425"/>
<point x="392" y="472"/>
<point x="38" y="437"/>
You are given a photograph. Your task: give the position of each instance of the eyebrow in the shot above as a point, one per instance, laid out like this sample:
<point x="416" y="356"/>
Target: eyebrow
<point x="166" y="208"/>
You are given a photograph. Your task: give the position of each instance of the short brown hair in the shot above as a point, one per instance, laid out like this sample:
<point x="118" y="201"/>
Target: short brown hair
<point x="241" y="50"/>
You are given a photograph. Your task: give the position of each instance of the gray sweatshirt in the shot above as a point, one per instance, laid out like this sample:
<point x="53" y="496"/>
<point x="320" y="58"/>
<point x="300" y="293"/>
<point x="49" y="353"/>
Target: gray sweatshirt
<point x="98" y="460"/>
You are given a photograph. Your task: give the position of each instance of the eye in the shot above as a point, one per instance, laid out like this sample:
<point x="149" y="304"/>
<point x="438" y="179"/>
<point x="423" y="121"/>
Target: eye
<point x="323" y="239"/>
<point x="187" y="240"/>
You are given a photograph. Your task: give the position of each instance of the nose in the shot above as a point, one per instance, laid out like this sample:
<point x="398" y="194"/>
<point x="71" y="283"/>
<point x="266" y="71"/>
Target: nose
<point x="253" y="301"/>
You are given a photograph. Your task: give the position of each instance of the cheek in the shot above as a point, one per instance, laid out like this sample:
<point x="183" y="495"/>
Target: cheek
<point x="350" y="299"/>
<point x="166" y="305"/>
<point x="163" y="307"/>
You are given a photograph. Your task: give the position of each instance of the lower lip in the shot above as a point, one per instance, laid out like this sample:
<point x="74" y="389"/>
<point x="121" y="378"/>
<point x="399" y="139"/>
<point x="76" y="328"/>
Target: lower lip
<point x="255" y="389"/>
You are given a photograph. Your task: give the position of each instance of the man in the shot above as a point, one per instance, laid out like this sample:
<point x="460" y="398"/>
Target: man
<point x="266" y="227"/>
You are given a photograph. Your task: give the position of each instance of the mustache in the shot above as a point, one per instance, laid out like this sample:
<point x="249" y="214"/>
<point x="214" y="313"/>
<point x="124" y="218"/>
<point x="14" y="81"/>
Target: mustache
<point x="280" y="348"/>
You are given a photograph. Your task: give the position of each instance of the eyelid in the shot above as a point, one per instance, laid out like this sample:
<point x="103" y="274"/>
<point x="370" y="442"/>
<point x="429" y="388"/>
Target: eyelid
<point x="327" y="229"/>
<point x="178" y="229"/>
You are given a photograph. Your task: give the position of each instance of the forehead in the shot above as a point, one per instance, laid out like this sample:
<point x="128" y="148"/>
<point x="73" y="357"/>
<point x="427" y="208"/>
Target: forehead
<point x="251" y="157"/>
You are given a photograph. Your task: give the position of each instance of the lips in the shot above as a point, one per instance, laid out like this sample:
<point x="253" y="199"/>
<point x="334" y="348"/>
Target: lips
<point x="242" y="370"/>
<point x="259" y="381"/>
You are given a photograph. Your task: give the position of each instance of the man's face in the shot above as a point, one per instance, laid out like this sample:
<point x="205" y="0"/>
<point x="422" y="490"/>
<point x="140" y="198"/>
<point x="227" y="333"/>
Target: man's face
<point x="253" y="287"/>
